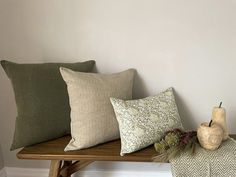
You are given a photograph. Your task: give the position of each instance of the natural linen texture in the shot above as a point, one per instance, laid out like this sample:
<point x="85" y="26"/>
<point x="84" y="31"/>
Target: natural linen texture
<point x="205" y="163"/>
<point x="92" y="117"/>
<point x="143" y="122"/>
<point x="41" y="99"/>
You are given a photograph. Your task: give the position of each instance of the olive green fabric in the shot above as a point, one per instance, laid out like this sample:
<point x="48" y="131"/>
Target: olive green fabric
<point x="42" y="100"/>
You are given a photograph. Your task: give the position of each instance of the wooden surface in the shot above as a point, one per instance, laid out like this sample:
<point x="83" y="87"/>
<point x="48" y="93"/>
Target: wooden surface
<point x="55" y="168"/>
<point x="54" y="150"/>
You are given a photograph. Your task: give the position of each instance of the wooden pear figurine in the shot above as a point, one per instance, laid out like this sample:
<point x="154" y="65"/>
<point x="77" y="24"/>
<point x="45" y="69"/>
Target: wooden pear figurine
<point x="219" y="117"/>
<point x="210" y="135"/>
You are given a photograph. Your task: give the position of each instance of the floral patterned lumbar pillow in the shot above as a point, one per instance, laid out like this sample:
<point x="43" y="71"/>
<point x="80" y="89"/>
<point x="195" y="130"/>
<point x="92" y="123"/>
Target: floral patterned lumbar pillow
<point x="144" y="121"/>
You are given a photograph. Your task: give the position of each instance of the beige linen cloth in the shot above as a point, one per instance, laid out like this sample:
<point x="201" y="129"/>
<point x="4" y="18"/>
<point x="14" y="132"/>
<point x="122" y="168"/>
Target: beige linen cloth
<point x="204" y="163"/>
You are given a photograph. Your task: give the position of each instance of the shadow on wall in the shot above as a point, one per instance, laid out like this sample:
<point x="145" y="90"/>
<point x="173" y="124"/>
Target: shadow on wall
<point x="141" y="91"/>
<point x="232" y="119"/>
<point x="185" y="113"/>
<point x="1" y="158"/>
<point x="140" y="88"/>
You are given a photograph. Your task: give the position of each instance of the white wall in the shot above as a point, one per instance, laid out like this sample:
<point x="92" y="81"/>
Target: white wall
<point x="189" y="45"/>
<point x="1" y="158"/>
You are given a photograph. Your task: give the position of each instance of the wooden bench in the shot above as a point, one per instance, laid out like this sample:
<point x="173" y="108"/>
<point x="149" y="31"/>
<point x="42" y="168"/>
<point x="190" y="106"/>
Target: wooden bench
<point x="64" y="164"/>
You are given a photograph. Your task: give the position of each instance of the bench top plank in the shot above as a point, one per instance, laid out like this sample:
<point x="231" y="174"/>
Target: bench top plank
<point x="54" y="150"/>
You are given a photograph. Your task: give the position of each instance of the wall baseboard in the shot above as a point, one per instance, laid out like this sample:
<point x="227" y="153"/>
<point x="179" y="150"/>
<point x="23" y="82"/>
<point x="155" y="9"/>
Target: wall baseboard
<point x="26" y="172"/>
<point x="3" y="173"/>
<point x="100" y="169"/>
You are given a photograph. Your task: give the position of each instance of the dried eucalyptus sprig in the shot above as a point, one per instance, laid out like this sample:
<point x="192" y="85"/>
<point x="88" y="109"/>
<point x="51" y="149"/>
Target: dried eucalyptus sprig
<point x="173" y="143"/>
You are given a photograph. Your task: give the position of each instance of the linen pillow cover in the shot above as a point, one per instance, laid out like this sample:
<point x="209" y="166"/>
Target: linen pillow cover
<point x="144" y="121"/>
<point x="41" y="99"/>
<point x="92" y="117"/>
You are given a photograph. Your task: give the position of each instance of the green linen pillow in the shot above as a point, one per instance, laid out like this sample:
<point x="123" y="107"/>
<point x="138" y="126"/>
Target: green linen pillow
<point x="41" y="99"/>
<point x="92" y="117"/>
<point x="144" y="121"/>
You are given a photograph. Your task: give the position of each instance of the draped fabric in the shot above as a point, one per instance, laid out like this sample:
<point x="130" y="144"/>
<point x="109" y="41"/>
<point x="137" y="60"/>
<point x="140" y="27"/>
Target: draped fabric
<point x="205" y="163"/>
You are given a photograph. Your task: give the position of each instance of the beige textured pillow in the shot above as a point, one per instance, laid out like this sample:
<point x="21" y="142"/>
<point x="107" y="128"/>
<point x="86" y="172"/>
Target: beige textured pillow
<point x="92" y="117"/>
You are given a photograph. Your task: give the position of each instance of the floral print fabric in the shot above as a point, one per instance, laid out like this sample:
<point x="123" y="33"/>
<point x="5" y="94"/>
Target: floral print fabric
<point x="144" y="121"/>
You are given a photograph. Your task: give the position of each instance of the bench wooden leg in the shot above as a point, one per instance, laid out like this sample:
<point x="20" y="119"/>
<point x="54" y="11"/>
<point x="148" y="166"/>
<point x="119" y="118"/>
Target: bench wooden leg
<point x="64" y="171"/>
<point x="71" y="168"/>
<point x="67" y="169"/>
<point x="55" y="168"/>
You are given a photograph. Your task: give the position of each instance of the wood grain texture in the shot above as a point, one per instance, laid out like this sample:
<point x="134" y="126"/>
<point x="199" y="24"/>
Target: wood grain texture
<point x="54" y="150"/>
<point x="64" y="168"/>
<point x="77" y="166"/>
<point x="55" y="168"/>
<point x="70" y="168"/>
